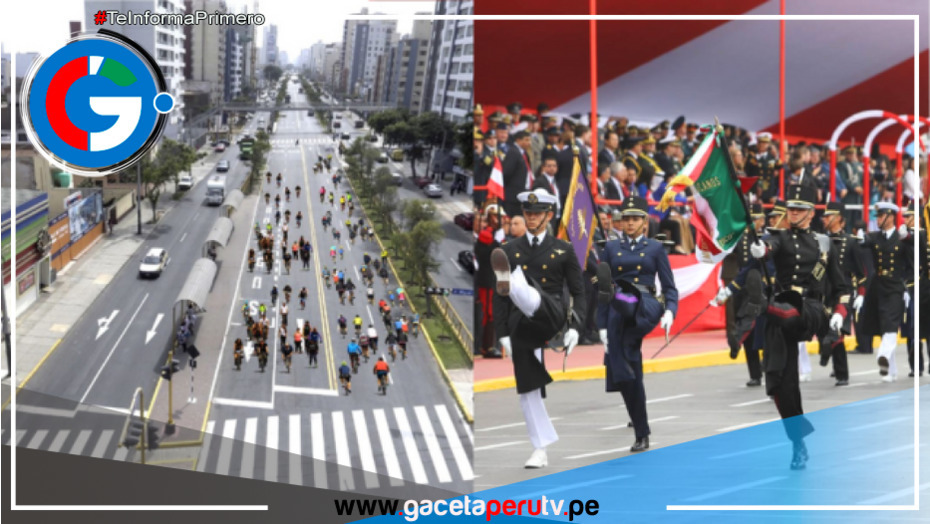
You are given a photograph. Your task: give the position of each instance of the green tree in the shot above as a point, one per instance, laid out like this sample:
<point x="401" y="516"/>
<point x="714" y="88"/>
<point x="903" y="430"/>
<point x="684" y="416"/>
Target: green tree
<point x="400" y="133"/>
<point x="429" y="127"/>
<point x="419" y="248"/>
<point x="152" y="179"/>
<point x="260" y="148"/>
<point x="383" y="119"/>
<point x="173" y="158"/>
<point x="272" y="72"/>
<point x="415" y="211"/>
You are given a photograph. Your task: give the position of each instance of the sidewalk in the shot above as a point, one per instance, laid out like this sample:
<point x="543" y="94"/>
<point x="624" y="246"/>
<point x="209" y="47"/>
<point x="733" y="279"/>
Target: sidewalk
<point x="690" y="350"/>
<point x="80" y="282"/>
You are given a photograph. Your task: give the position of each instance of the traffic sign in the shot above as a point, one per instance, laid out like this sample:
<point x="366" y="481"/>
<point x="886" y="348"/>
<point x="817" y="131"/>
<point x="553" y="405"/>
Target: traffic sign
<point x="463" y="292"/>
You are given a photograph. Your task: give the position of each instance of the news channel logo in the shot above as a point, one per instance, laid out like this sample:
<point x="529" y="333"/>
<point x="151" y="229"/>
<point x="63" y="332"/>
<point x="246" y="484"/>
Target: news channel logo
<point x="96" y="105"/>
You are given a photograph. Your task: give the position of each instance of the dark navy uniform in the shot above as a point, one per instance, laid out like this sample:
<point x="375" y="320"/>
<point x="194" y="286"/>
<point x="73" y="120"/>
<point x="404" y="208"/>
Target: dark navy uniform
<point x="636" y="309"/>
<point x="917" y="366"/>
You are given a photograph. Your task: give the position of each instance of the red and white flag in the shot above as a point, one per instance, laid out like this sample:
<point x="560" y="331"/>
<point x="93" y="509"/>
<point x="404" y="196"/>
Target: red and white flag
<point x="496" y="182"/>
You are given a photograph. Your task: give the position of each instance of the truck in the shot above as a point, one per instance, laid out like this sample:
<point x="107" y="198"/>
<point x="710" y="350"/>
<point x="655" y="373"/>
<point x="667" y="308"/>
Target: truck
<point x="216" y="190"/>
<point x="245" y="148"/>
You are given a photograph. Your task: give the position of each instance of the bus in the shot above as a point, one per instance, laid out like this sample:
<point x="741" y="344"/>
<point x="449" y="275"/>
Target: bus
<point x="245" y="148"/>
<point x="216" y="190"/>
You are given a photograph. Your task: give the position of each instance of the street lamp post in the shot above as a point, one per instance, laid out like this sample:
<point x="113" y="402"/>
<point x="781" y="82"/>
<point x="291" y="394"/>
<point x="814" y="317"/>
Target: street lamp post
<point x="6" y="334"/>
<point x="138" y="198"/>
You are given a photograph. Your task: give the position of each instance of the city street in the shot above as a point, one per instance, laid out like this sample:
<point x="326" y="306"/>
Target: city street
<point x="413" y="434"/>
<point x="682" y="406"/>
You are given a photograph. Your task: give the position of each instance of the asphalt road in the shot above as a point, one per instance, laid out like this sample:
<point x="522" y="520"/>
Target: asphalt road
<point x="413" y="433"/>
<point x="682" y="406"/>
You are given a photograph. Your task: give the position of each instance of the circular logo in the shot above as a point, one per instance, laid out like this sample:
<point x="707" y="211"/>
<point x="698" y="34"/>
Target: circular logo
<point x="95" y="105"/>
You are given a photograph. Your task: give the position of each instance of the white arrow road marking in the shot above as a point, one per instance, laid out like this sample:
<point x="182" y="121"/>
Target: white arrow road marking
<point x="249" y="348"/>
<point x="256" y="282"/>
<point x="128" y="324"/>
<point x="151" y="333"/>
<point x="103" y="324"/>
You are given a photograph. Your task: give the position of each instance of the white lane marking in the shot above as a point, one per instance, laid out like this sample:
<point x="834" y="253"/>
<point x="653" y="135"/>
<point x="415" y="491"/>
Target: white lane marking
<point x="226" y="445"/>
<point x="410" y="446"/>
<point x="243" y="403"/>
<point x="151" y="333"/>
<point x="37" y="439"/>
<point x="547" y="491"/>
<point x="318" y="450"/>
<point x="248" y="452"/>
<point x="498" y="445"/>
<point x="455" y="444"/>
<point x="364" y="448"/>
<point x="80" y="442"/>
<point x="59" y="440"/>
<point x="746" y="425"/>
<point x="45" y="412"/>
<point x="456" y="264"/>
<point x="305" y="391"/>
<point x="295" y="472"/>
<point x="884" y="452"/>
<point x="673" y="397"/>
<point x="879" y="423"/>
<point x="100" y="370"/>
<point x="103" y="323"/>
<point x="102" y="443"/>
<point x="733" y="489"/>
<point x="387" y="447"/>
<point x="257" y="282"/>
<point x="432" y="444"/>
<point x="894" y="495"/>
<point x="751" y="402"/>
<point x="749" y="451"/>
<point x="512" y="425"/>
<point x="343" y="458"/>
<point x="596" y="453"/>
<point x="651" y="421"/>
<point x="183" y="237"/>
<point x="271" y="448"/>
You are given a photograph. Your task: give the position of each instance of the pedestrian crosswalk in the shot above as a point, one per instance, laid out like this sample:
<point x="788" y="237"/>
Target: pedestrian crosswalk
<point x="97" y="443"/>
<point x="291" y="142"/>
<point x="343" y="450"/>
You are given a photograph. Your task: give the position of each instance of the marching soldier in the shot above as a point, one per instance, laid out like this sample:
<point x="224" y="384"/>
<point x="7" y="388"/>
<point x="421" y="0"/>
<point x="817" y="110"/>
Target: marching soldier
<point x="529" y="310"/>
<point x="629" y="311"/>
<point x="832" y="342"/>
<point x="805" y="262"/>
<point x="884" y="302"/>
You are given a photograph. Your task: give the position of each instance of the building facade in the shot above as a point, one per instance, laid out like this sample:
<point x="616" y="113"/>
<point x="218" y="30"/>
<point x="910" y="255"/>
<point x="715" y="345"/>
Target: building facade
<point x="363" y="41"/>
<point x="205" y="52"/>
<point x="407" y="69"/>
<point x="452" y="74"/>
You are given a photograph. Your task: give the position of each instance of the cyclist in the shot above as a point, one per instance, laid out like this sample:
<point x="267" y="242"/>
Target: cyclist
<point x="313" y="346"/>
<point x="303" y="297"/>
<point x="299" y="217"/>
<point x="402" y="342"/>
<point x="262" y="348"/>
<point x="298" y="340"/>
<point x="384" y="256"/>
<point x="342" y="203"/>
<point x="371" y="294"/>
<point x="297" y="191"/>
<point x="415" y="324"/>
<point x="342" y="325"/>
<point x="262" y="310"/>
<point x="350" y="287"/>
<point x="366" y="259"/>
<point x="349" y="197"/>
<point x="383" y="273"/>
<point x="399" y="326"/>
<point x="287" y="292"/>
<point x="251" y="260"/>
<point x="322" y="194"/>
<point x="352" y="236"/>
<point x="326" y="276"/>
<point x="341" y="253"/>
<point x="373" y="337"/>
<point x="277" y="201"/>
<point x="268" y="176"/>
<point x="381" y="371"/>
<point x="332" y="253"/>
<point x="238" y="354"/>
<point x="337" y="235"/>
<point x="345" y="377"/>
<point x="332" y="199"/>
<point x="277" y="217"/>
<point x="284" y="229"/>
<point x="278" y="179"/>
<point x="267" y="198"/>
<point x="357" y="321"/>
<point x="351" y="207"/>
<point x="391" y="341"/>
<point x="287" y="216"/>
<point x="391" y="298"/>
<point x="246" y="312"/>
<point x="381" y="305"/>
<point x="341" y="289"/>
<point x="354" y="352"/>
<point x="286" y="351"/>
<point x="363" y="341"/>
<point x="325" y="221"/>
<point x="274" y="294"/>
<point x="401" y="298"/>
<point x="287" y="194"/>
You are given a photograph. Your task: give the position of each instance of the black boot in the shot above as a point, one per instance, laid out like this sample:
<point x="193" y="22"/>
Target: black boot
<point x="799" y="457"/>
<point x="641" y="444"/>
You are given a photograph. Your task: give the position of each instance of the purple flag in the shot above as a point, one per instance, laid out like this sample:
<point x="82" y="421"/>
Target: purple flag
<point x="579" y="218"/>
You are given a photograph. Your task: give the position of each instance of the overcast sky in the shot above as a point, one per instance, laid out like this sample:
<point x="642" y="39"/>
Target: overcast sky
<point x="300" y="23"/>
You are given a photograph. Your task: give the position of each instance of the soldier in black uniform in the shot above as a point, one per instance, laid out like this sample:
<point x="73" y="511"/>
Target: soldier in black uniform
<point x="886" y="297"/>
<point x="907" y="327"/>
<point x="627" y="314"/>
<point x="484" y="163"/>
<point x="530" y="309"/>
<point x="631" y="157"/>
<point x="805" y="262"/>
<point x="762" y="163"/>
<point x="742" y="311"/>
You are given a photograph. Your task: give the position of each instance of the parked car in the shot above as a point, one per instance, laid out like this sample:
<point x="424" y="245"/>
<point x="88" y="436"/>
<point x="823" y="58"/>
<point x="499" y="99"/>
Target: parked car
<point x="222" y="166"/>
<point x="153" y="263"/>
<point x="421" y="181"/>
<point x="467" y="261"/>
<point x="397" y="178"/>
<point x="397" y="155"/>
<point x="185" y="182"/>
<point x="383" y="158"/>
<point x="220" y="147"/>
<point x="372" y="138"/>
<point x="346" y="136"/>
<point x="465" y="221"/>
<point x="432" y="190"/>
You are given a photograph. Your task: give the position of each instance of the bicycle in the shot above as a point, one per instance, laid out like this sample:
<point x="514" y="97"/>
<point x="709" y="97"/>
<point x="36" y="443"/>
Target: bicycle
<point x="392" y="351"/>
<point x="287" y="361"/>
<point x="262" y="361"/>
<point x="415" y="329"/>
<point x="353" y="359"/>
<point x="297" y="191"/>
<point x="382" y="383"/>
<point x="351" y="298"/>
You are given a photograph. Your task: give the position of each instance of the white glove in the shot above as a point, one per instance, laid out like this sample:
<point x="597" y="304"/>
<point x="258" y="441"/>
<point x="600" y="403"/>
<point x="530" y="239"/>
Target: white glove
<point x="907" y="300"/>
<point x="602" y="333"/>
<point x="860" y="236"/>
<point x="757" y="249"/>
<point x="836" y="322"/>
<point x="902" y="231"/>
<point x="506" y="349"/>
<point x="667" y="319"/>
<point x="857" y="303"/>
<point x="723" y="294"/>
<point x="570" y="341"/>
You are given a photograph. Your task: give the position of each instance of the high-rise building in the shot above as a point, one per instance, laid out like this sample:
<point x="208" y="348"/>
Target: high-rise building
<point x="452" y="69"/>
<point x="164" y="42"/>
<point x="283" y="59"/>
<point x="363" y="41"/>
<point x="270" y="45"/>
<point x="205" y="53"/>
<point x="331" y="68"/>
<point x="405" y="80"/>
<point x="232" y="87"/>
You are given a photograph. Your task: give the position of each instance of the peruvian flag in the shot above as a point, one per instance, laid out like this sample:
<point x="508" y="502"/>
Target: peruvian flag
<point x="496" y="182"/>
<point x="719" y="216"/>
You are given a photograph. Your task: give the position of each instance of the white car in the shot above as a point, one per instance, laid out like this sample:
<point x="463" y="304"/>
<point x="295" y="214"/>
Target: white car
<point x="185" y="182"/>
<point x="397" y="179"/>
<point x="153" y="263"/>
<point x="432" y="190"/>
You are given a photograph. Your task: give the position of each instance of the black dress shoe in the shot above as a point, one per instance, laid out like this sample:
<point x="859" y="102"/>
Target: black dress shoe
<point x="734" y="353"/>
<point x="492" y="353"/>
<point x="754" y="383"/>
<point x="824" y="360"/>
<point x="799" y="457"/>
<point x="911" y="374"/>
<point x="629" y="424"/>
<point x="641" y="444"/>
<point x="842" y="382"/>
